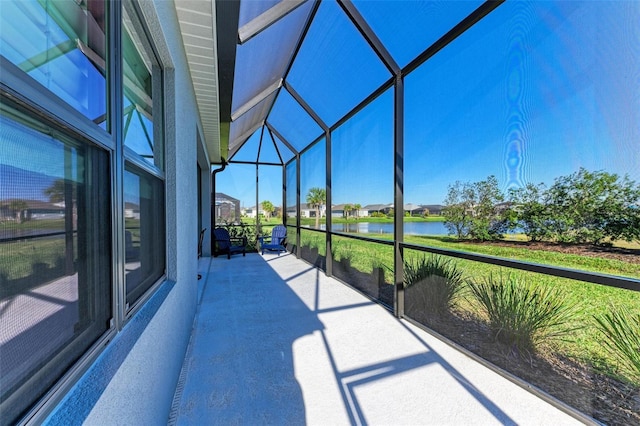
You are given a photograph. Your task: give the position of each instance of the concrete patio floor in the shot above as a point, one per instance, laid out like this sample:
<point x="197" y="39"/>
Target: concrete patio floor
<point x="277" y="342"/>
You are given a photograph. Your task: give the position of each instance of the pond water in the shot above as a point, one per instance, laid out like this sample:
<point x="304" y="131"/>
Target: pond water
<point x="410" y="228"/>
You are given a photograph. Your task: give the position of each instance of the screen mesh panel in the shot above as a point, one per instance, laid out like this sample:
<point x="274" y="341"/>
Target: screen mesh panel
<point x="55" y="262"/>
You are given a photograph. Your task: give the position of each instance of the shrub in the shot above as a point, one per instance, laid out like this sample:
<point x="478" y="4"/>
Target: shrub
<point x="432" y="285"/>
<point x="522" y="315"/>
<point x="342" y="250"/>
<point x="621" y="331"/>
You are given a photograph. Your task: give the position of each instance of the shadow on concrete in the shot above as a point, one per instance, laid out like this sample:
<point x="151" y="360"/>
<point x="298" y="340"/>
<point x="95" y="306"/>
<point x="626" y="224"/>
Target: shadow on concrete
<point x="349" y="380"/>
<point x="240" y="366"/>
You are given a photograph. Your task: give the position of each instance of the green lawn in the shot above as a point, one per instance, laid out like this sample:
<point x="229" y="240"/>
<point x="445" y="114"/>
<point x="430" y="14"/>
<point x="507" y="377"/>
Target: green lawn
<point x="587" y="300"/>
<point x="45" y="224"/>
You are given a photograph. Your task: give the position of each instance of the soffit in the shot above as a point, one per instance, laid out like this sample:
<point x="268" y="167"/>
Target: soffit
<point x="197" y="21"/>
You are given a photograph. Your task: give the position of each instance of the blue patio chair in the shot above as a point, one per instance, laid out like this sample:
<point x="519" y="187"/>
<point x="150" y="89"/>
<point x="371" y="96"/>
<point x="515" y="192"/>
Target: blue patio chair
<point x="225" y="244"/>
<point x="277" y="242"/>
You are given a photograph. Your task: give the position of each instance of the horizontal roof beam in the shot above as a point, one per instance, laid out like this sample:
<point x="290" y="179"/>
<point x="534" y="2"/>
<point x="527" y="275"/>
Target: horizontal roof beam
<point x="243" y="138"/>
<point x="256" y="100"/>
<point x="266" y="19"/>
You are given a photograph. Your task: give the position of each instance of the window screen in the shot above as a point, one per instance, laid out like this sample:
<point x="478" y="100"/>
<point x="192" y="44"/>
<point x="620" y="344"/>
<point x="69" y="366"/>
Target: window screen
<point x="55" y="256"/>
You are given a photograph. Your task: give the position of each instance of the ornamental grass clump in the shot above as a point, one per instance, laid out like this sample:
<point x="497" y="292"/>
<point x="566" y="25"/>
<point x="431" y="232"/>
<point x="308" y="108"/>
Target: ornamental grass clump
<point x="621" y="331"/>
<point x="522" y="315"/>
<point x="432" y="285"/>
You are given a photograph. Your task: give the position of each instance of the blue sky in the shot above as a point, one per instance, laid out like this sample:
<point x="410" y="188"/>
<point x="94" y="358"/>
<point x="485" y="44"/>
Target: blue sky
<point x="533" y="92"/>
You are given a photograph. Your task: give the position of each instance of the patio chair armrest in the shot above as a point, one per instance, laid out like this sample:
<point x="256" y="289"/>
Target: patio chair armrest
<point x="241" y="240"/>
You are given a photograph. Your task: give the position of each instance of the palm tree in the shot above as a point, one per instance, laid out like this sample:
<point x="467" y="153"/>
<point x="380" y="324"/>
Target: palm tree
<point x="316" y="198"/>
<point x="56" y="191"/>
<point x="356" y="208"/>
<point x="347" y="209"/>
<point x="268" y="208"/>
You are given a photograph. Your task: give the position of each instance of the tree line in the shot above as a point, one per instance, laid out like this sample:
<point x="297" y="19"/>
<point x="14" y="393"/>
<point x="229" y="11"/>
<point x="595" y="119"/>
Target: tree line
<point x="581" y="208"/>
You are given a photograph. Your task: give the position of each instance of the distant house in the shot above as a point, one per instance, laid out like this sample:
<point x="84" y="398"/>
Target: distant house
<point x="501" y="207"/>
<point x="306" y="211"/>
<point x="251" y="211"/>
<point x="433" y="209"/>
<point x="131" y="211"/>
<point x="337" y="210"/>
<point x="5" y="212"/>
<point x="423" y="209"/>
<point x="31" y="210"/>
<point x="413" y="209"/>
<point x="377" y="208"/>
<point x="227" y="208"/>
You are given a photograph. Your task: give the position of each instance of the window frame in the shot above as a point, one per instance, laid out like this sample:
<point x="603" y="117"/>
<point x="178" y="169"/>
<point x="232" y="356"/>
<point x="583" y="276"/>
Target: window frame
<point x="36" y="112"/>
<point x="128" y="156"/>
<point x="18" y="89"/>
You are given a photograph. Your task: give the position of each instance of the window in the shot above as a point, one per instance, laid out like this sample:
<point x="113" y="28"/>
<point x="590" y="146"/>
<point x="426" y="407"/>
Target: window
<point x="57" y="203"/>
<point x="144" y="231"/>
<point x="142" y="92"/>
<point x="144" y="206"/>
<point x="55" y="256"/>
<point x="62" y="45"/>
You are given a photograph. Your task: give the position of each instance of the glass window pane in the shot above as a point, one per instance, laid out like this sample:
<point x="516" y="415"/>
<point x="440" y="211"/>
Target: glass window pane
<point x="529" y="119"/>
<point x="142" y="92"/>
<point x="293" y="122"/>
<point x="408" y="27"/>
<point x="335" y="68"/>
<point x="362" y="169"/>
<point x="62" y="45"/>
<point x="55" y="256"/>
<point x="144" y="231"/>
<point x="313" y="167"/>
